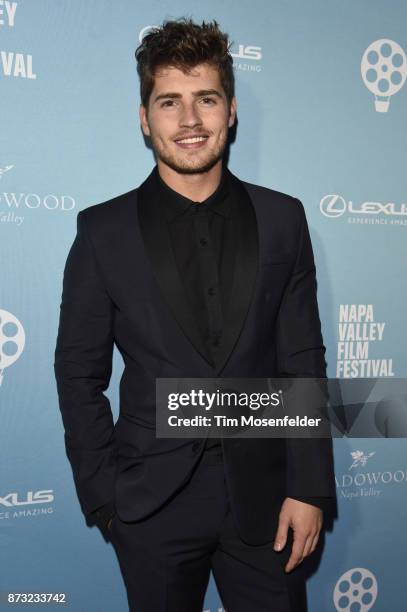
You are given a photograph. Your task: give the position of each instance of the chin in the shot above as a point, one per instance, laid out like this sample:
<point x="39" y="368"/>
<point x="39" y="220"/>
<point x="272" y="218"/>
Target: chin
<point x="198" y="167"/>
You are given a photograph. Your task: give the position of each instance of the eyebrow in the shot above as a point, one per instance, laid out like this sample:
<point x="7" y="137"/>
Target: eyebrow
<point x="196" y="94"/>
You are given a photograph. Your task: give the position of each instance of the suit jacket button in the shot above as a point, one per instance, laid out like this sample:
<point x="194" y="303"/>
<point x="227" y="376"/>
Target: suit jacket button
<point x="196" y="446"/>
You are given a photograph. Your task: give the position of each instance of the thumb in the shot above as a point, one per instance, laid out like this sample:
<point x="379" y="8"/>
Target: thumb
<point x="281" y="536"/>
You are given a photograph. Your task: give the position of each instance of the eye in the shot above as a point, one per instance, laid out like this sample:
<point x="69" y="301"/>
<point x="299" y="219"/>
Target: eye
<point x="167" y="103"/>
<point x="208" y="100"/>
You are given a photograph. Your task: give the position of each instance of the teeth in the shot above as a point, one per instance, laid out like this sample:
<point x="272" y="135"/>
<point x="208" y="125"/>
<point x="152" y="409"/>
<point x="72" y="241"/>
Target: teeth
<point x="195" y="139"/>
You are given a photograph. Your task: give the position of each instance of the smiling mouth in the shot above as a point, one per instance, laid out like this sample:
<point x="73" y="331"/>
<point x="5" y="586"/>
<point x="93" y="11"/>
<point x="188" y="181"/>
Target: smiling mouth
<point x="191" y="141"/>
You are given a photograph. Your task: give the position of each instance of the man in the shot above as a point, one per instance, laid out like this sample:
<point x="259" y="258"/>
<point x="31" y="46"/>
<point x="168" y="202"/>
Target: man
<point x="193" y="274"/>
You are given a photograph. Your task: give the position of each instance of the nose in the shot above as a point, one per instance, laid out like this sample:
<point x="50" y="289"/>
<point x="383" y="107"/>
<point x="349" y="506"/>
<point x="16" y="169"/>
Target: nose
<point x="190" y="116"/>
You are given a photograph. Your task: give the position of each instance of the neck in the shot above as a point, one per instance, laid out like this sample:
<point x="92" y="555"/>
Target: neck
<point x="196" y="187"/>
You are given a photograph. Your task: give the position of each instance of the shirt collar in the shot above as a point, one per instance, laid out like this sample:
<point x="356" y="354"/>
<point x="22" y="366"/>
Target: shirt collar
<point x="176" y="204"/>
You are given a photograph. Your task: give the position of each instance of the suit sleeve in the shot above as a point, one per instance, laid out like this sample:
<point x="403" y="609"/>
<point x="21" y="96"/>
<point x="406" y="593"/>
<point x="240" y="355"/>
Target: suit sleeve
<point x="83" y="366"/>
<point x="301" y="353"/>
<point x="102" y="515"/>
<point x="324" y="503"/>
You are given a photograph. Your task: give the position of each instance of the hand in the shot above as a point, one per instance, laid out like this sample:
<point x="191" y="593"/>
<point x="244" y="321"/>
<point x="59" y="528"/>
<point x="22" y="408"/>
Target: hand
<point x="306" y="521"/>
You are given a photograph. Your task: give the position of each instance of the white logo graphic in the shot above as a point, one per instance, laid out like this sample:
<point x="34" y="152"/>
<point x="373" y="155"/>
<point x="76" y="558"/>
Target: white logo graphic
<point x="8" y="13"/>
<point x="32" y="497"/>
<point x="356" y="589"/>
<point x="4" y="170"/>
<point x="12" y="203"/>
<point x="12" y="340"/>
<point x="334" y="205"/>
<point x="384" y="71"/>
<point x="359" y="458"/>
<point x="16" y="65"/>
<point x="249" y="52"/>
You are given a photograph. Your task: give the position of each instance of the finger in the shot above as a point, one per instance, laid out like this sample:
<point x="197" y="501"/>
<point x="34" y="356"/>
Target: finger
<point x="296" y="552"/>
<point x="281" y="535"/>
<point x="308" y="545"/>
<point x="315" y="542"/>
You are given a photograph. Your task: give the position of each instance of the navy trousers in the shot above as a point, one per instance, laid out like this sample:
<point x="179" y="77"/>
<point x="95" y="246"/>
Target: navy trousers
<point x="166" y="559"/>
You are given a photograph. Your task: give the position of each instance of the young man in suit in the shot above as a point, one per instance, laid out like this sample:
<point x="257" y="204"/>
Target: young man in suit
<point x="193" y="274"/>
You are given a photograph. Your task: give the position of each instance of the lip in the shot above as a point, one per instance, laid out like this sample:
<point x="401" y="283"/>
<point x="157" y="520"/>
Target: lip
<point x="193" y="145"/>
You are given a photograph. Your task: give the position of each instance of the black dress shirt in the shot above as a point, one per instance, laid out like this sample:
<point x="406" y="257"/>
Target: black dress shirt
<point x="204" y="249"/>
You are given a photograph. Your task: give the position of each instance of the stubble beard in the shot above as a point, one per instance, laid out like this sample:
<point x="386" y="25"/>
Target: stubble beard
<point x="188" y="166"/>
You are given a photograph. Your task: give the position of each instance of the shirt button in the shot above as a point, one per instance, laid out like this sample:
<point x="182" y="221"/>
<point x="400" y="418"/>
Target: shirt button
<point x="211" y="291"/>
<point x="203" y="241"/>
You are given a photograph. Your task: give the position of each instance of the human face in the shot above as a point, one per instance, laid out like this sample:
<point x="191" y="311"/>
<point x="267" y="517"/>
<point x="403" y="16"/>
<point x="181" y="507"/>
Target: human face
<point x="188" y="118"/>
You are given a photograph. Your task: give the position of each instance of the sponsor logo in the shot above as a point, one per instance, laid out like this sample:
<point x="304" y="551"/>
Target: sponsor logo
<point x="17" y="65"/>
<point x="248" y="52"/>
<point x="384" y="71"/>
<point x="7" y="13"/>
<point x="12" y="203"/>
<point x="357" y="331"/>
<point x="12" y="500"/>
<point x="367" y="483"/>
<point x="12" y="340"/>
<point x="334" y="205"/>
<point x="356" y="589"/>
<point x="30" y="504"/>
<point x="4" y="170"/>
<point x="360" y="458"/>
<point x="247" y="58"/>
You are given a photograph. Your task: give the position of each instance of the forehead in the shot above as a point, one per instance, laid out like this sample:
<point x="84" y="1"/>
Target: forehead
<point x="199" y="75"/>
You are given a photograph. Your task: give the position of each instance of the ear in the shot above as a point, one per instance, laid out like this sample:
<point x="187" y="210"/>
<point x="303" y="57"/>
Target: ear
<point x="144" y="120"/>
<point x="232" y="112"/>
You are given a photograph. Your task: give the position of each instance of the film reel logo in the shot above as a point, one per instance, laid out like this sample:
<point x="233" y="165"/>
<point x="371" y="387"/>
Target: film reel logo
<point x="384" y="71"/>
<point x="355" y="590"/>
<point x="12" y="340"/>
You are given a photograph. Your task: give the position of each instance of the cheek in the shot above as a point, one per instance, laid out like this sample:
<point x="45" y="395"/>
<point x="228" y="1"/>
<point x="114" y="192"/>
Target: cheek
<point x="220" y="119"/>
<point x="163" y="127"/>
<point x="221" y="122"/>
<point x="221" y="133"/>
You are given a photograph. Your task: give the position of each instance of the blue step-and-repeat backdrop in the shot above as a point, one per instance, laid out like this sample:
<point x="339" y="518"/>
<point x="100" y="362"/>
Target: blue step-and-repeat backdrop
<point x="322" y="108"/>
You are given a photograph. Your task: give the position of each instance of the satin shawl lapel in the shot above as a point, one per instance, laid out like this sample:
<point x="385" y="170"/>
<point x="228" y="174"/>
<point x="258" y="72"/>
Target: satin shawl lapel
<point x="244" y="271"/>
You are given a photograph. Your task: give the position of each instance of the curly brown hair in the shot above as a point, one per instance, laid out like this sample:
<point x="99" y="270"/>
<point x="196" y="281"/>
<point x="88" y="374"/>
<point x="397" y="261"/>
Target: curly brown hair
<point x="183" y="44"/>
